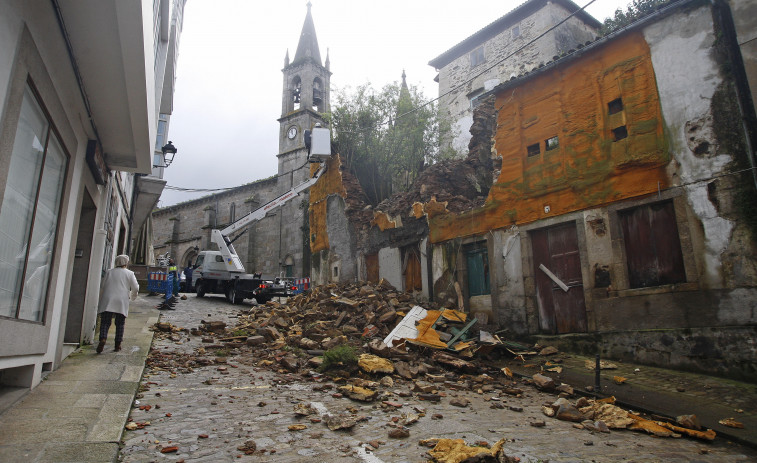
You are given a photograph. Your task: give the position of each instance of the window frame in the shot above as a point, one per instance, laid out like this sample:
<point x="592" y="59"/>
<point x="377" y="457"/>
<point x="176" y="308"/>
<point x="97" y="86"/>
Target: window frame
<point x="678" y="259"/>
<point x="51" y="131"/>
<point x="477" y="56"/>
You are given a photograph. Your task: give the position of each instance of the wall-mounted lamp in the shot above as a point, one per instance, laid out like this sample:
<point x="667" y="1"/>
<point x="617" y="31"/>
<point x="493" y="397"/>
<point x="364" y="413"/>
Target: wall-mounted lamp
<point x="168" y="149"/>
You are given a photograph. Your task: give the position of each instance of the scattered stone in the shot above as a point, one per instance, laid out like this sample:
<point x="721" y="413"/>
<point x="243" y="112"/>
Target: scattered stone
<point x="543" y="383"/>
<point x="358" y="393"/>
<point x="337" y="422"/>
<point x="515" y="408"/>
<point x="169" y="449"/>
<point x="689" y="421"/>
<point x="399" y="433"/>
<point x="731" y="423"/>
<point x="303" y="409"/>
<point x="459" y="402"/>
<point x="538" y="424"/>
<point x="569" y="413"/>
<point x="297" y="427"/>
<point x="387" y="381"/>
<point x="248" y="447"/>
<point x="549" y="350"/>
<point x="601" y="426"/>
<point x="372" y="364"/>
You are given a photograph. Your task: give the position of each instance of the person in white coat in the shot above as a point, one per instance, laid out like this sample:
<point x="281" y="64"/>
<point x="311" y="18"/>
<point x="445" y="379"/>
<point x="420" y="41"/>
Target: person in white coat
<point x="118" y="287"/>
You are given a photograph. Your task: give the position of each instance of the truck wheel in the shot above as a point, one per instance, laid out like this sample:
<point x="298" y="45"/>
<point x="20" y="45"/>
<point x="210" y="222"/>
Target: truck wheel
<point x="200" y="286"/>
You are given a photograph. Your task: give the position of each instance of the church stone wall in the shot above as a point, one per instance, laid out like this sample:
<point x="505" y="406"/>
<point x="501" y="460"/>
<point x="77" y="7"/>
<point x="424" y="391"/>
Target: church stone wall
<point x="178" y="229"/>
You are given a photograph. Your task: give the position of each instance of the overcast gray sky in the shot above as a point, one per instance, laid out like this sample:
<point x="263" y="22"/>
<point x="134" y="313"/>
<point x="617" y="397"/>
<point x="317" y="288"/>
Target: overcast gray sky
<point x="229" y="81"/>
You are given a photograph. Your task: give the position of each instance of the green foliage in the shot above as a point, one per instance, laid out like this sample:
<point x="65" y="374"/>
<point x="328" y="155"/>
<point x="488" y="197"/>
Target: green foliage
<point x="240" y="333"/>
<point x="386" y="137"/>
<point x="343" y="355"/>
<point x="635" y="10"/>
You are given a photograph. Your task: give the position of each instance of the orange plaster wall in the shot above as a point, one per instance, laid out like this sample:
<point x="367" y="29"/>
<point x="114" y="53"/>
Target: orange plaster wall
<point x="330" y="183"/>
<point x="589" y="168"/>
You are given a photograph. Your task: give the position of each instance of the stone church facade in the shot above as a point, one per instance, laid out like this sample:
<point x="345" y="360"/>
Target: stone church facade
<point x="277" y="244"/>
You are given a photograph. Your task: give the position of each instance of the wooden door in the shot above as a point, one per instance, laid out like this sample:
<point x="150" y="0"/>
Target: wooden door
<point x="372" y="268"/>
<point x="560" y="311"/>
<point x="412" y="269"/>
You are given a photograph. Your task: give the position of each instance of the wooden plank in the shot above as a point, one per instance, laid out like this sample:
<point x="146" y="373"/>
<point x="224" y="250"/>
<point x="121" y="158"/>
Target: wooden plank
<point x="554" y="278"/>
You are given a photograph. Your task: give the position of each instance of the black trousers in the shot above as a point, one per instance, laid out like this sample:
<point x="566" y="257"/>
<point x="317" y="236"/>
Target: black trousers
<point x="105" y="319"/>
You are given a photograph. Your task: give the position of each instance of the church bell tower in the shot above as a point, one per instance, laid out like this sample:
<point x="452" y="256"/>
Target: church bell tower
<point x="304" y="99"/>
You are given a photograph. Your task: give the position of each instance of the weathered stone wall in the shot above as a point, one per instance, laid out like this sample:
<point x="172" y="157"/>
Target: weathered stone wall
<point x="464" y="81"/>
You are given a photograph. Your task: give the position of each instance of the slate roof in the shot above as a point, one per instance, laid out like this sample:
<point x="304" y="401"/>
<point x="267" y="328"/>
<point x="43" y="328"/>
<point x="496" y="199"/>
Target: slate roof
<point x="308" y="46"/>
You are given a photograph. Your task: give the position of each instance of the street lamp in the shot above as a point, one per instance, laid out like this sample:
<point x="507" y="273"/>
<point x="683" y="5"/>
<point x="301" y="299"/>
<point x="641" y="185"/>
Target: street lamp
<point x="168" y="149"/>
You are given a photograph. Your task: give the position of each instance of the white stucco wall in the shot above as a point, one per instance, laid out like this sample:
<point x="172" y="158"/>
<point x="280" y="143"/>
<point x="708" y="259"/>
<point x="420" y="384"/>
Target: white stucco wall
<point x="390" y="266"/>
<point x="687" y="77"/>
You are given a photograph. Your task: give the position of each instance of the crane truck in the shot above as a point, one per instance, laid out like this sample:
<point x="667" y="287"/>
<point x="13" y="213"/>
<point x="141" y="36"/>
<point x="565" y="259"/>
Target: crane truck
<point x="221" y="271"/>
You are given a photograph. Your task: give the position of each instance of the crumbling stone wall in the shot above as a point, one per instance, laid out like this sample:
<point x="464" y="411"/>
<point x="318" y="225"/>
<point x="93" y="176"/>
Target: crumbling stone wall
<point x="463" y="80"/>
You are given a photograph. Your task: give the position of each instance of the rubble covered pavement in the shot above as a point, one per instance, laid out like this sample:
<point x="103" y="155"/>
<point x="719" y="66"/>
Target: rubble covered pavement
<point x="325" y="374"/>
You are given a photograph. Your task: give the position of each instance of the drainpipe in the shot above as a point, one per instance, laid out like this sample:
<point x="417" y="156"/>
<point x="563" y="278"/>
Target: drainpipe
<point x="743" y="95"/>
<point x="131" y="213"/>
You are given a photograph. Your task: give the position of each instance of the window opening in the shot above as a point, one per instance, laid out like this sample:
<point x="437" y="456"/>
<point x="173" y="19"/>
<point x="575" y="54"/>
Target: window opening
<point x="615" y="106"/>
<point x="336" y="272"/>
<point x="516" y="31"/>
<point x="533" y="150"/>
<point x="620" y="133"/>
<point x="551" y="143"/>
<point x="296" y="92"/>
<point x="232" y="212"/>
<point x="475" y="98"/>
<point x="317" y="95"/>
<point x="653" y="246"/>
<point x="477" y="56"/>
<point x="477" y="260"/>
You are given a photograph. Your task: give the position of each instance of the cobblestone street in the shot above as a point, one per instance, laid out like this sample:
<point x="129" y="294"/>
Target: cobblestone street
<point x="215" y="412"/>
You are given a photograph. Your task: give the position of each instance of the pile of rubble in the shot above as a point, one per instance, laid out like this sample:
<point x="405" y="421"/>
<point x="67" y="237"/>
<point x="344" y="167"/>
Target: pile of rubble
<point x="372" y="343"/>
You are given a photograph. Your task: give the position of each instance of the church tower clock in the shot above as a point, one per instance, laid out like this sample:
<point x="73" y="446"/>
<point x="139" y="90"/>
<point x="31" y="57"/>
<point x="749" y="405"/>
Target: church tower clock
<point x="304" y="99"/>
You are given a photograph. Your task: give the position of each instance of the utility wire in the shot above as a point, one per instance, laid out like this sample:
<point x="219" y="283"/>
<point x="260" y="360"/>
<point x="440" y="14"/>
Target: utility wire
<point x="211" y="190"/>
<point x="475" y="76"/>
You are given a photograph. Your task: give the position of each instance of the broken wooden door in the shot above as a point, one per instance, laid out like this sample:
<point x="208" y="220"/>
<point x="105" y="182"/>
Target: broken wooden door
<point x="560" y="311"/>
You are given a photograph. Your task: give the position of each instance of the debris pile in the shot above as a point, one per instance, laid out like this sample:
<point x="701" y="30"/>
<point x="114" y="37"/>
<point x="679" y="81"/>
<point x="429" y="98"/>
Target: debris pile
<point x="601" y="415"/>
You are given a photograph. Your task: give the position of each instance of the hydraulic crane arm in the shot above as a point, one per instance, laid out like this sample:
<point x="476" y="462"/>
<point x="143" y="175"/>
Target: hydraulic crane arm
<point x="221" y="237"/>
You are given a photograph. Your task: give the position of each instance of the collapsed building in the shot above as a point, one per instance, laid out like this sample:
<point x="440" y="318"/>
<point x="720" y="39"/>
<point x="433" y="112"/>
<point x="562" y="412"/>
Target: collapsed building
<point x="606" y="202"/>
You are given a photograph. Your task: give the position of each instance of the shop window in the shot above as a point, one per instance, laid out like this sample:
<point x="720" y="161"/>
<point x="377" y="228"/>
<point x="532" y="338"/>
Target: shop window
<point x="477" y="56"/>
<point x="551" y="143"/>
<point x="29" y="213"/>
<point x="477" y="261"/>
<point x="620" y="133"/>
<point x="615" y="106"/>
<point x="533" y="150"/>
<point x="653" y="248"/>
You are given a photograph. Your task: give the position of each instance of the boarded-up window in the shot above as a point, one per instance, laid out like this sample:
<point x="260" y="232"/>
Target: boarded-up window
<point x="477" y="261"/>
<point x="372" y="268"/>
<point x="653" y="248"/>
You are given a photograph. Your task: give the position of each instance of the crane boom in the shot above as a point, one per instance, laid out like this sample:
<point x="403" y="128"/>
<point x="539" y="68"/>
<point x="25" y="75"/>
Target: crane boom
<point x="221" y="237"/>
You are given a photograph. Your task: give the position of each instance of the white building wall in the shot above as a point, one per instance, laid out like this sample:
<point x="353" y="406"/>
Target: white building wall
<point x="390" y="266"/>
